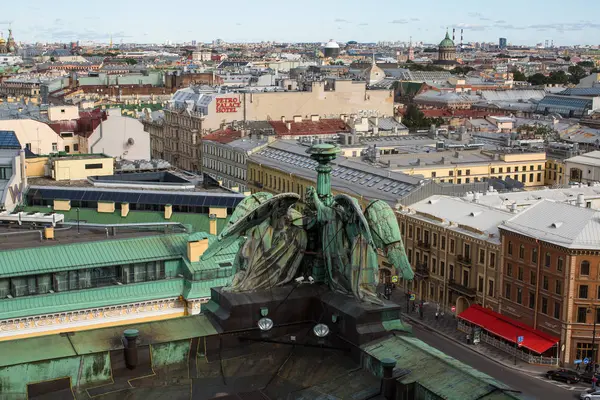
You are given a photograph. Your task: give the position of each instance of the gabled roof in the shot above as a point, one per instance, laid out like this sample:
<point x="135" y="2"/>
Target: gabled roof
<point x="561" y="224"/>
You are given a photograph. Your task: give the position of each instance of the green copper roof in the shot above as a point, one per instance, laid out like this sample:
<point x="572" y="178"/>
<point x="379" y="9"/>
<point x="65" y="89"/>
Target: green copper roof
<point x="447" y="42"/>
<point x="47" y="347"/>
<point x="434" y="370"/>
<point x="45" y="259"/>
<point x="199" y="222"/>
<point x="89" y="298"/>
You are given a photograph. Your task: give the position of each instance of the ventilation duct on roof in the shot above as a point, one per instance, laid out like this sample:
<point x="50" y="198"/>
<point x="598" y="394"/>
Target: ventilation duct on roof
<point x="556" y="224"/>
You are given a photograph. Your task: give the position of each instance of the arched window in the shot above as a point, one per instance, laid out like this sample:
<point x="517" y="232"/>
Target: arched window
<point x="584" y="268"/>
<point x="521" y="251"/>
<point x="576" y="174"/>
<point x="510" y="247"/>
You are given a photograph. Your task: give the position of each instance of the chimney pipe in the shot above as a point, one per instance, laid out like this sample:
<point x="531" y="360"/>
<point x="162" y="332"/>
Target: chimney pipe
<point x="388" y="382"/>
<point x="131" y="352"/>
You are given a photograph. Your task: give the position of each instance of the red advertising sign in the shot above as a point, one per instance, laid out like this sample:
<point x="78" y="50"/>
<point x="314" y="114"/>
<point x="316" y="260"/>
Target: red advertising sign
<point x="228" y="105"/>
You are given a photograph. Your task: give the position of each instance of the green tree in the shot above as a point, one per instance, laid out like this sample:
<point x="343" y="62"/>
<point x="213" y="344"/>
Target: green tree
<point x="462" y="70"/>
<point x="577" y="73"/>
<point x="131" y="61"/>
<point x="518" y="75"/>
<point x="586" y="64"/>
<point x="558" y="77"/>
<point x="595" y="70"/>
<point x="538" y="79"/>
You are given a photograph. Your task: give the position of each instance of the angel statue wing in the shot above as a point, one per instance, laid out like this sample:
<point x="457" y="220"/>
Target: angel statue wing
<point x="386" y="234"/>
<point x="362" y="254"/>
<point x="251" y="212"/>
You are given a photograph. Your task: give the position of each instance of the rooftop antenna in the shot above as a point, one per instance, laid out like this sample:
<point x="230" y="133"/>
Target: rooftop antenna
<point x="461" y="38"/>
<point x="453" y="34"/>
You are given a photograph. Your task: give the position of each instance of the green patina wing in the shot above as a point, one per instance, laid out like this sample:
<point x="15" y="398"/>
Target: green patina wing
<point x="251" y="214"/>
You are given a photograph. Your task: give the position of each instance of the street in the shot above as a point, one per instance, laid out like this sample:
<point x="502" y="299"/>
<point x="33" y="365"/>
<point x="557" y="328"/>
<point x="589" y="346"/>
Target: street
<point x="532" y="387"/>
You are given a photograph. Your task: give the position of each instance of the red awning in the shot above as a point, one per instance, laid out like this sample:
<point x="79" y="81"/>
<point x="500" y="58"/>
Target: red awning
<point x="508" y="329"/>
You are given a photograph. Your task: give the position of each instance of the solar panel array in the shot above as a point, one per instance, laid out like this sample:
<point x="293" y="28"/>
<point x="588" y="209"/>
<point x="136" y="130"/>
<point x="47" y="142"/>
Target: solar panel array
<point x="350" y="175"/>
<point x="136" y="197"/>
<point x="8" y="140"/>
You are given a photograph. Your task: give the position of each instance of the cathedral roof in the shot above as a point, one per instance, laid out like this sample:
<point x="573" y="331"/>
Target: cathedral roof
<point x="447" y="42"/>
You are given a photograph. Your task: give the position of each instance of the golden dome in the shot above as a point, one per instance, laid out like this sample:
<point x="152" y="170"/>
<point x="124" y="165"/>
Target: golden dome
<point x="2" y="41"/>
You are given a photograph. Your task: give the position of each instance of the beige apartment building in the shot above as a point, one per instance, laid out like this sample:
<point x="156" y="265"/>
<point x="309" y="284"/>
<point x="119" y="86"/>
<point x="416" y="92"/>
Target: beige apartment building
<point x="193" y="113"/>
<point x="454" y="247"/>
<point x="469" y="166"/>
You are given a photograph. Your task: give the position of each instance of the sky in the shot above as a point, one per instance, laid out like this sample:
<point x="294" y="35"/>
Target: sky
<point x="152" y="21"/>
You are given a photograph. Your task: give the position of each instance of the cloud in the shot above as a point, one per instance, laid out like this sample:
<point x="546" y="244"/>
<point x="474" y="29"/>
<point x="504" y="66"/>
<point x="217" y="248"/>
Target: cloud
<point x="558" y="27"/>
<point x="5" y="22"/>
<point x="58" y="21"/>
<point x="415" y="19"/>
<point x="363" y="24"/>
<point x="471" y="27"/>
<point x="341" y="20"/>
<point x="238" y="24"/>
<point x="399" y="21"/>
<point x="500" y="21"/>
<point x="87" y="34"/>
<point x="474" y="15"/>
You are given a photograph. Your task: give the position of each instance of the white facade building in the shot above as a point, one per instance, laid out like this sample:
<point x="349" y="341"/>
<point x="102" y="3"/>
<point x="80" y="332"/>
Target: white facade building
<point x="121" y="137"/>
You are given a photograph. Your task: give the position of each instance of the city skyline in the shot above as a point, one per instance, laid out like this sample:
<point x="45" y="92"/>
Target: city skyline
<point x="522" y="23"/>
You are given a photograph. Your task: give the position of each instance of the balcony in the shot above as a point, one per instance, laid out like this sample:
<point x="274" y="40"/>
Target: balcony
<point x="422" y="271"/>
<point x="424" y="245"/>
<point x="458" y="287"/>
<point x="466" y="261"/>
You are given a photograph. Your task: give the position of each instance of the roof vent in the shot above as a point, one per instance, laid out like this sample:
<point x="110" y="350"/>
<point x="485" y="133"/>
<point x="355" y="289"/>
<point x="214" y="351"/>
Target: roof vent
<point x="557" y="224"/>
<point x="433" y="201"/>
<point x="475" y="213"/>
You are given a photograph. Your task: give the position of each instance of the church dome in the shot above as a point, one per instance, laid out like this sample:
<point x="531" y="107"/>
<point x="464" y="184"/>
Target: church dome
<point x="447" y="42"/>
<point x="2" y="41"/>
<point x="332" y="45"/>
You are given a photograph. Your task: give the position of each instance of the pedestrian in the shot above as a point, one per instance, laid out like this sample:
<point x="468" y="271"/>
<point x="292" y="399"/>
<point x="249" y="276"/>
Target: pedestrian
<point x="578" y="367"/>
<point x="594" y="381"/>
<point x="437" y="314"/>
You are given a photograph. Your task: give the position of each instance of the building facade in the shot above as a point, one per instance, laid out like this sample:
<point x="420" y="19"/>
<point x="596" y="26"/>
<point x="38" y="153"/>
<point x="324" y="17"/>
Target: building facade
<point x="454" y="248"/>
<point x="550" y="274"/>
<point x="584" y="168"/>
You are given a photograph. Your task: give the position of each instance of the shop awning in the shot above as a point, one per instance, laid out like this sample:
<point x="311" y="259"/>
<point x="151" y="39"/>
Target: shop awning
<point x="508" y="329"/>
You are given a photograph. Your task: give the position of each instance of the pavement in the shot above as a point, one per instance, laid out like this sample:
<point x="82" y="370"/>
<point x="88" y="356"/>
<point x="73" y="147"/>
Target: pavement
<point x="443" y="334"/>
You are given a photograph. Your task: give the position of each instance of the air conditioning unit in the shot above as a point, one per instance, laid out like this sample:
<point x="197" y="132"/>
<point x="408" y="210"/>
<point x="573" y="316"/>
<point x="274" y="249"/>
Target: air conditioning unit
<point x="212" y="216"/>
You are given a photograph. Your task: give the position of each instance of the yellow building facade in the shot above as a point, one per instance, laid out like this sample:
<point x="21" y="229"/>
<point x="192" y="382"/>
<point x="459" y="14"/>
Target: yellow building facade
<point x="528" y="168"/>
<point x="555" y="172"/>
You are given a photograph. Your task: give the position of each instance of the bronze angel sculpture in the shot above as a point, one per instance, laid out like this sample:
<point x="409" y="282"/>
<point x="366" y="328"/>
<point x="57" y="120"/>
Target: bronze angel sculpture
<point x="275" y="237"/>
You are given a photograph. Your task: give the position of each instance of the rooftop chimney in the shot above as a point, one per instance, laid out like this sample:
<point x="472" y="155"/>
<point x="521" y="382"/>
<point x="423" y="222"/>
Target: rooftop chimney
<point x="580" y="200"/>
<point x="288" y="125"/>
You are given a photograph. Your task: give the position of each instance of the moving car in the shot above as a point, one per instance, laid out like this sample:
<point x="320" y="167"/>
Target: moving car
<point x="562" y="374"/>
<point x="590" y="394"/>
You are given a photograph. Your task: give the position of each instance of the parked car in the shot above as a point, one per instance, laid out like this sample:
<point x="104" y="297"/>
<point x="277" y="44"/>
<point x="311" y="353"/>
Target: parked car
<point x="562" y="374"/>
<point x="590" y="394"/>
<point x="587" y="376"/>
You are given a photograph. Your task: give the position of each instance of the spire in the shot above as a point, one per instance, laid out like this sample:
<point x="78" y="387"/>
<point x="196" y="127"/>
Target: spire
<point x="447" y="34"/>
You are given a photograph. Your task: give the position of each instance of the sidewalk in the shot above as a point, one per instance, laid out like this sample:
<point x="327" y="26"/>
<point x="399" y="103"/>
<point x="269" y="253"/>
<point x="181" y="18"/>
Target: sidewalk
<point x="447" y="326"/>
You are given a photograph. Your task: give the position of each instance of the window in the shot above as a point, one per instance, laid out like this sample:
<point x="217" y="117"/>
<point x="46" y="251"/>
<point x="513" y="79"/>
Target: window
<point x="547" y="260"/>
<point x="468" y="172"/>
<point x="584" y="268"/>
<point x="459" y="172"/>
<point x="539" y="177"/>
<point x="66" y="134"/>
<point x="558" y="288"/>
<point x="410" y="231"/>
<point x="583" y="291"/>
<point x="519" y="295"/>
<point x="75" y="147"/>
<point x="433" y="174"/>
<point x="500" y="170"/>
<point x="409" y="255"/>
<point x="442" y="268"/>
<point x="545" y="282"/>
<point x="481" y="256"/>
<point x="509" y="269"/>
<point x="492" y="260"/>
<point x="507" y="169"/>
<point x="544" y="305"/>
<point x="93" y="166"/>
<point x="534" y="255"/>
<point x="530" y="177"/>
<point x="443" y="243"/>
<point x="531" y="300"/>
<point x="559" y="264"/>
<point x="418" y="233"/>
<point x="402" y="228"/>
<point x="490" y="288"/>
<point x="67" y="149"/>
<point x="581" y="314"/>
<point x="507" y="290"/>
<point x="509" y="247"/>
<point x="54" y="146"/>
<point x="452" y="246"/>
<point x="459" y="181"/>
<point x="520" y="274"/>
<point x="521" y="252"/>
<point x="434" y="265"/>
<point x="451" y="173"/>
<point x="434" y="239"/>
<point x="467" y="252"/>
<point x="533" y="278"/>
<point x="524" y="168"/>
<point x="556" y="310"/>
<point x="480" y="283"/>
<point x="493" y="170"/>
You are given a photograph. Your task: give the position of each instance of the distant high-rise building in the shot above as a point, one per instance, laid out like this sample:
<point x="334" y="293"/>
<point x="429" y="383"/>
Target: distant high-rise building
<point x="502" y="43"/>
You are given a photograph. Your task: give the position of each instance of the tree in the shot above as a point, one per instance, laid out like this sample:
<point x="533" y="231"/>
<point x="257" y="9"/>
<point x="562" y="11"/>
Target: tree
<point x="462" y="70"/>
<point x="558" y="78"/>
<point x="538" y="79"/>
<point x="518" y="75"/>
<point x="577" y="73"/>
<point x="131" y="61"/>
<point x="586" y="64"/>
<point x="595" y="70"/>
